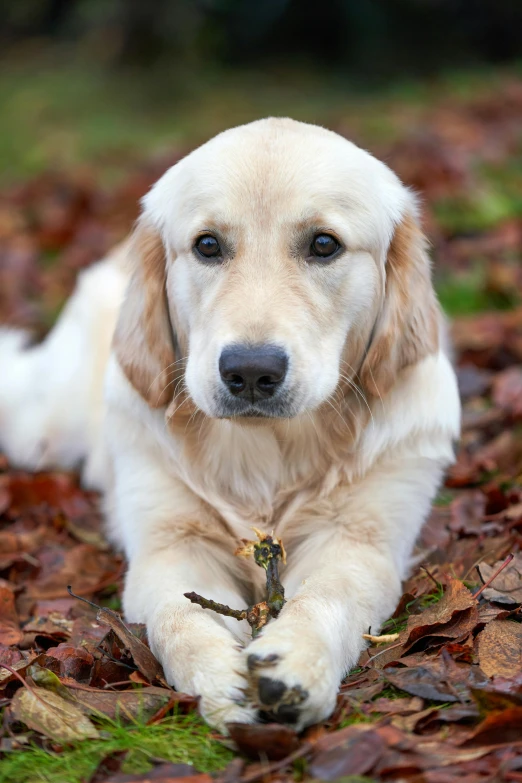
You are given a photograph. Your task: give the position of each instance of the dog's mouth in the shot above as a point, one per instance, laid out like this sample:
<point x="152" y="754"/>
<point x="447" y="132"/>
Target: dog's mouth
<point x="280" y="407"/>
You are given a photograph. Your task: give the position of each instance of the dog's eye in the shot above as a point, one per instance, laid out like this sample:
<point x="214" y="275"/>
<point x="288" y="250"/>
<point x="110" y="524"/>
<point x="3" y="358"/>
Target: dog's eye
<point x="324" y="246"/>
<point x="208" y="246"/>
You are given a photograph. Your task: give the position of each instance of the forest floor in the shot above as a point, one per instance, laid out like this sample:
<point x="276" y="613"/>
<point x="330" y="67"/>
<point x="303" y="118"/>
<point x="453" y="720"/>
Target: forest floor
<point x="82" y="698"/>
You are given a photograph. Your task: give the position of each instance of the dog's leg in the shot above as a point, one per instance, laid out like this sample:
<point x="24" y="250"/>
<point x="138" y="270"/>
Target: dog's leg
<point x="199" y="653"/>
<point x="347" y="557"/>
<point x="175" y="543"/>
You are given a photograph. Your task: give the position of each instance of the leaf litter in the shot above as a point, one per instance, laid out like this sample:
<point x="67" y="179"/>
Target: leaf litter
<point x="437" y="695"/>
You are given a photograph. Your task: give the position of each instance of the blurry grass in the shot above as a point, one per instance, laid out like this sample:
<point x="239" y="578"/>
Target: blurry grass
<point x="467" y="292"/>
<point x="60" y="111"/>
<point x="463" y="294"/>
<point x="181" y="739"/>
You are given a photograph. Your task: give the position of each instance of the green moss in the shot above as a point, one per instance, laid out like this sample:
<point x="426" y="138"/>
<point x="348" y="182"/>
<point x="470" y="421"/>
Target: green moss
<point x="177" y="739"/>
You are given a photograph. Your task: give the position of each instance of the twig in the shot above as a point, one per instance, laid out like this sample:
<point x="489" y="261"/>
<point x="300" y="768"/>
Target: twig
<point x="506" y="562"/>
<point x="437" y="584"/>
<point x="266" y="555"/>
<point x="25" y="683"/>
<point x="214" y="606"/>
<point x="267" y="551"/>
<point x="391" y="647"/>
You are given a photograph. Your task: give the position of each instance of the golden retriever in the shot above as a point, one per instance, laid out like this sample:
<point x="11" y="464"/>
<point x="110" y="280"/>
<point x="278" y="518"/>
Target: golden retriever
<point x="278" y="360"/>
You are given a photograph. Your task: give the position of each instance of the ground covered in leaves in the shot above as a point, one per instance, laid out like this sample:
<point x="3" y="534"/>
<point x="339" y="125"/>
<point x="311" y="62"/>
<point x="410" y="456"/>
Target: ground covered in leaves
<point x="83" y="698"/>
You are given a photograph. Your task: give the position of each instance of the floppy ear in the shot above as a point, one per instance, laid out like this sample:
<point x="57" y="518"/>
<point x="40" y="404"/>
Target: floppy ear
<point x="144" y="341"/>
<point x="407" y="327"/>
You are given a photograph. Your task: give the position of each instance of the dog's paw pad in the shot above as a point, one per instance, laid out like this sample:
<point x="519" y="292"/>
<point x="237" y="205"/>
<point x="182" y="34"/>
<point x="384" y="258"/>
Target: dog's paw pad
<point x="270" y="691"/>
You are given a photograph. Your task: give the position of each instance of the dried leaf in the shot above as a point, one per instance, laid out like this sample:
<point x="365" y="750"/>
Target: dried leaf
<point x="506" y="588"/>
<point x="141" y="654"/>
<point x="420" y="681"/>
<point x="507" y="390"/>
<point x="270" y="740"/>
<point x="500" y="648"/>
<point x="48" y="713"/>
<point x="453" y="617"/>
<point x="164" y="773"/>
<point x="356" y="755"/>
<point x="499" y="728"/>
<point x="10" y="632"/>
<point x="141" y="703"/>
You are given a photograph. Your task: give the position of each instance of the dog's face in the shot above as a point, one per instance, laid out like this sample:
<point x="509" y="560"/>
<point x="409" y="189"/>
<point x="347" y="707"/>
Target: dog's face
<point x="262" y="271"/>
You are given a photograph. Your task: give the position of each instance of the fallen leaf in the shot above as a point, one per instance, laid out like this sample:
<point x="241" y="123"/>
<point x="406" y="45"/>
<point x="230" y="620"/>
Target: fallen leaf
<point x="507" y="391"/>
<point x="68" y="661"/>
<point x="401" y="706"/>
<point x="141" y="654"/>
<point x="506" y="588"/>
<point x="356" y="755"/>
<point x="269" y="740"/>
<point x="48" y="713"/>
<point x="500" y="648"/>
<point x="10" y="632"/>
<point x="420" y="681"/>
<point x="499" y="728"/>
<point x="163" y="773"/>
<point x="453" y="617"/>
<point x="128" y="705"/>
<point x="467" y="512"/>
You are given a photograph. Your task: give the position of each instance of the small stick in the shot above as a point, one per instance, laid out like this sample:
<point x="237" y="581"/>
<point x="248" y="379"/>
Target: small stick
<point x="207" y="603"/>
<point x="437" y="584"/>
<point x="506" y="562"/>
<point x="25" y="683"/>
<point x="384" y="639"/>
<point x="391" y="647"/>
<point x="267" y="551"/>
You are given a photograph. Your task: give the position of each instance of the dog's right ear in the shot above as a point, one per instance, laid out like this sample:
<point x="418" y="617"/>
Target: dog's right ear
<point x="144" y="341"/>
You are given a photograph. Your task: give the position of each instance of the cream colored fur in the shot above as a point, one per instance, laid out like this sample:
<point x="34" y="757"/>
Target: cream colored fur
<point x="346" y="477"/>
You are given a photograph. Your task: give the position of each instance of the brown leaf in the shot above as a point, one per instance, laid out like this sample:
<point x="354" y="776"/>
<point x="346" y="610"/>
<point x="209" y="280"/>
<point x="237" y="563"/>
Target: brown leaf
<point x="141" y="654"/>
<point x="467" y="511"/>
<point x="48" y="713"/>
<point x="68" y="661"/>
<point x="507" y="390"/>
<point x="270" y="740"/>
<point x="500" y="648"/>
<point x="163" y="773"/>
<point x="421" y="681"/>
<point x="10" y="632"/>
<point x="83" y="566"/>
<point x="356" y="755"/>
<point x="453" y="617"/>
<point x="128" y="705"/>
<point x="499" y="728"/>
<point x="506" y="588"/>
<point x="402" y="706"/>
<point x="499" y="693"/>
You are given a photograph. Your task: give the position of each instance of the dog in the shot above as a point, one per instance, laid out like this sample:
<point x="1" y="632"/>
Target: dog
<point x="265" y="350"/>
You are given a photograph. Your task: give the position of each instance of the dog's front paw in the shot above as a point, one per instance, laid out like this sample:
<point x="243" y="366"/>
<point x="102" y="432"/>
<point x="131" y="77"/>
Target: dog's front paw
<point x="219" y="709"/>
<point x="292" y="678"/>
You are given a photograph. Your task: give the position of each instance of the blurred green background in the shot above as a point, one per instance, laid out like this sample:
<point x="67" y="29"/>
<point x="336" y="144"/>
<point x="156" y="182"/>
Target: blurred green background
<point x="97" y="97"/>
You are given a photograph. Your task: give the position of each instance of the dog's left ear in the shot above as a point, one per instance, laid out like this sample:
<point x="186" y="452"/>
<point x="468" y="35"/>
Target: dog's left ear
<point x="407" y="327"/>
<point x="144" y="341"/>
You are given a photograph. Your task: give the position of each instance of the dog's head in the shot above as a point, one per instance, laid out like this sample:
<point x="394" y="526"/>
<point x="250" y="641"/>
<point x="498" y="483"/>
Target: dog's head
<point x="271" y="265"/>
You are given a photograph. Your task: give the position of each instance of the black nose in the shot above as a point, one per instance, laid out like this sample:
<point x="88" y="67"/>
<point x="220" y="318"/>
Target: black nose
<point x="253" y="372"/>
